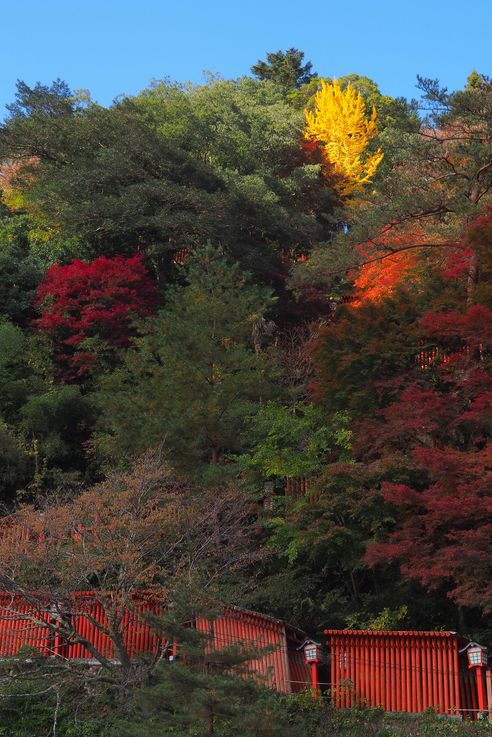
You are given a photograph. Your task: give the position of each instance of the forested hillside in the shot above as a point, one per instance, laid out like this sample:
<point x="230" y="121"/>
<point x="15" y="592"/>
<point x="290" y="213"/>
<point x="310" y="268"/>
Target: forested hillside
<point x="245" y="353"/>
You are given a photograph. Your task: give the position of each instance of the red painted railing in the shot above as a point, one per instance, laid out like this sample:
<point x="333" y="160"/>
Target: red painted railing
<point x="398" y="671"/>
<point x="431" y="357"/>
<point x="181" y="256"/>
<point x="401" y="671"/>
<point x="32" y="622"/>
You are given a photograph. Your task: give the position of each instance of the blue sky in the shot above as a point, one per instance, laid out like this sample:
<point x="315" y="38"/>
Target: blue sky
<point x="117" y="46"/>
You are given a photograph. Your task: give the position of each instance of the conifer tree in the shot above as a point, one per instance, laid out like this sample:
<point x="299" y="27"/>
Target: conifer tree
<point x="196" y="371"/>
<point x="204" y="693"/>
<point x="285" y="68"/>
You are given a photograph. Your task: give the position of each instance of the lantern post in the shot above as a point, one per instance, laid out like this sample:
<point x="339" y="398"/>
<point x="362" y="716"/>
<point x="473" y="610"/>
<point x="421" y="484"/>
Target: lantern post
<point x="312" y="656"/>
<point x="477" y="660"/>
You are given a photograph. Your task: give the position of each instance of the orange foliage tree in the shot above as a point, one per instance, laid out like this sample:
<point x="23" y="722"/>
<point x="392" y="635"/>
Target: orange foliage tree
<point x="386" y="264"/>
<point x="142" y="535"/>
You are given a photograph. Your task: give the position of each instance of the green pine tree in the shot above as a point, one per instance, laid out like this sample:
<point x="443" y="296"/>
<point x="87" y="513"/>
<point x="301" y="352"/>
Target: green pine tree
<point x="203" y="693"/>
<point x="196" y="371"/>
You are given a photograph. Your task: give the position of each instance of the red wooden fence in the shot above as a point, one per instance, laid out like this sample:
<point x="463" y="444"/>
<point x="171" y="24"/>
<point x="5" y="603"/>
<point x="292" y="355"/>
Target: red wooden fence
<point x="430" y="357"/>
<point x="30" y="622"/>
<point x="398" y="671"/>
<point x="26" y="622"/>
<point x="401" y="671"/>
<point x="280" y="666"/>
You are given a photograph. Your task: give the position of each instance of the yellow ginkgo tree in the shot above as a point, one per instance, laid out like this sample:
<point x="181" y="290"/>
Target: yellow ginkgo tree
<point x="340" y="125"/>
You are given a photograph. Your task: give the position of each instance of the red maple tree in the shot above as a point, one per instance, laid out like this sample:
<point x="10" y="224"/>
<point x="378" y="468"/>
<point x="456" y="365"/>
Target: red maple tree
<point x="87" y="308"/>
<point x="386" y="263"/>
<point x="442" y="422"/>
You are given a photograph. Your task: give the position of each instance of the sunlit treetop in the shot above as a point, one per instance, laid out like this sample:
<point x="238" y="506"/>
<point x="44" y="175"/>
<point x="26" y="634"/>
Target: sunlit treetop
<point x="285" y="68"/>
<point x="379" y="279"/>
<point x="340" y="125"/>
<point x="388" y="265"/>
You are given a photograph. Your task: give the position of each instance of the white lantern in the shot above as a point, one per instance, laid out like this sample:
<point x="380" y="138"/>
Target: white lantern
<point x="312" y="652"/>
<point x="477" y="655"/>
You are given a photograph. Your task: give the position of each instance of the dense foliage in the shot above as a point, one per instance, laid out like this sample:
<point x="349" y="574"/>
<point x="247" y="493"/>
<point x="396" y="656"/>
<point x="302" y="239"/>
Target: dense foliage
<point x="283" y="283"/>
<point x="87" y="308"/>
<point x="338" y="123"/>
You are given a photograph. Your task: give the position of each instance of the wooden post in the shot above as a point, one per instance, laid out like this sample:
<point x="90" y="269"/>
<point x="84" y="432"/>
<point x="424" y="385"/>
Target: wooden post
<point x="315" y="680"/>
<point x="482" y="697"/>
<point x="488" y="682"/>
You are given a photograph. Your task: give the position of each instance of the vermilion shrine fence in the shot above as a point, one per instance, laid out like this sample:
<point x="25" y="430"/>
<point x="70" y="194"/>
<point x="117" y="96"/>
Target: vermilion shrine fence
<point x="31" y="622"/>
<point x="404" y="671"/>
<point x="398" y="671"/>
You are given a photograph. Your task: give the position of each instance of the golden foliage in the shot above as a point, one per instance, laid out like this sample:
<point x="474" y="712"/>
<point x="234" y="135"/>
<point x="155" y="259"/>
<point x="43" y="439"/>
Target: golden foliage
<point x="340" y="126"/>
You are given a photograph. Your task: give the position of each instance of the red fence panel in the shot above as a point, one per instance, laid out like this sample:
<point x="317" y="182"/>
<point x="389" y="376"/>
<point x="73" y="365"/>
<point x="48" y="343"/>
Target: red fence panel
<point x="236" y="626"/>
<point x="401" y="671"/>
<point x="23" y="624"/>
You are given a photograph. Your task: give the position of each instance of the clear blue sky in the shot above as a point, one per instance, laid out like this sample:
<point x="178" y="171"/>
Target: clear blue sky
<point x="118" y="46"/>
